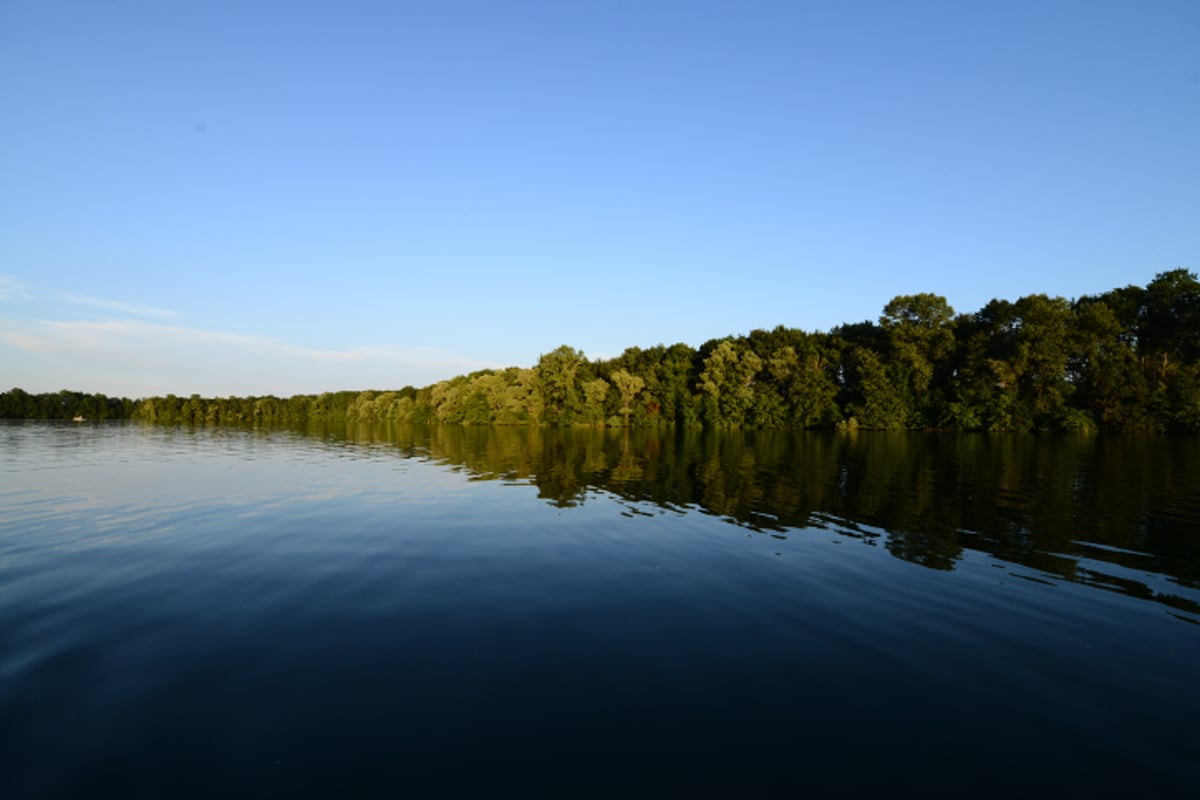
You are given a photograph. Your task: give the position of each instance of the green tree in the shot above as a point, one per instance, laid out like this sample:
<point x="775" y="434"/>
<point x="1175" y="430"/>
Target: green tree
<point x="1044" y="326"/>
<point x="595" y="392"/>
<point x="881" y="401"/>
<point x="1169" y="318"/>
<point x="558" y="376"/>
<point x="628" y="387"/>
<point x="669" y="380"/>
<point x="727" y="382"/>
<point x="812" y="392"/>
<point x="920" y="331"/>
<point x="1103" y="367"/>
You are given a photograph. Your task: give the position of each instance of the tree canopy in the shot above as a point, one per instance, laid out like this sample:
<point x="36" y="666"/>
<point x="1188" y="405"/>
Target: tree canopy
<point x="1125" y="360"/>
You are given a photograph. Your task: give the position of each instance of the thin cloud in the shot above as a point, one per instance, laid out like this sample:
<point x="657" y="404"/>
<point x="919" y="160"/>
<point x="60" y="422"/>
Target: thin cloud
<point x="136" y="309"/>
<point x="11" y="289"/>
<point x="138" y="358"/>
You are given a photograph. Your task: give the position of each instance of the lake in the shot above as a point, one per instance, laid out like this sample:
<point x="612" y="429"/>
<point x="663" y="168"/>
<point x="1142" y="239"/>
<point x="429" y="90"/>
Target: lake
<point x="480" y="611"/>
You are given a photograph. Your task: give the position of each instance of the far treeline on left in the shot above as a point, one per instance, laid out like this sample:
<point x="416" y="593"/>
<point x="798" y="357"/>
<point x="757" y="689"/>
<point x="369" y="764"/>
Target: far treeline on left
<point x="1125" y="360"/>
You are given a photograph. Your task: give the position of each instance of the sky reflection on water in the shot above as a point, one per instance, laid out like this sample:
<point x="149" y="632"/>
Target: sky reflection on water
<point x="206" y="611"/>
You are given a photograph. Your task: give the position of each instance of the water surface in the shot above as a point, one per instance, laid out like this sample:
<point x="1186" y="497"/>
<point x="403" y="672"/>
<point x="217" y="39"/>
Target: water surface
<point x="475" y="610"/>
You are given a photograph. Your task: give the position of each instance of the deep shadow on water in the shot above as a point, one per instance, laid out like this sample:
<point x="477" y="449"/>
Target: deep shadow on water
<point x="1091" y="509"/>
<point x="525" y="612"/>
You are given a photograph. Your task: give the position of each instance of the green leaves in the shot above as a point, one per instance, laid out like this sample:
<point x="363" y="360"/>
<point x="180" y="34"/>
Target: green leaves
<point x="1125" y="360"/>
<point x="728" y="383"/>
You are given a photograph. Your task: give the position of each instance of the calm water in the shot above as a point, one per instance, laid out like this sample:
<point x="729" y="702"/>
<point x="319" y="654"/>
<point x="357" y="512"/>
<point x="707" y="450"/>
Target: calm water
<point x="485" y="611"/>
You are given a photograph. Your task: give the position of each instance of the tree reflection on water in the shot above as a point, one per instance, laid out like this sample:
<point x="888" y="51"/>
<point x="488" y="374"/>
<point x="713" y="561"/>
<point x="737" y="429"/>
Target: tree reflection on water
<point x="1120" y="513"/>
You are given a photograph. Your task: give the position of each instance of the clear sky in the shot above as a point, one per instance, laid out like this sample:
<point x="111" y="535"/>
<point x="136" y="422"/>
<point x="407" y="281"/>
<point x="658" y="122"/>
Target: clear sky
<point x="259" y="197"/>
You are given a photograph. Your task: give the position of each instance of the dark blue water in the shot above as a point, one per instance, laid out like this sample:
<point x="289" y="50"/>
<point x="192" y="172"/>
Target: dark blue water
<point x="195" y="612"/>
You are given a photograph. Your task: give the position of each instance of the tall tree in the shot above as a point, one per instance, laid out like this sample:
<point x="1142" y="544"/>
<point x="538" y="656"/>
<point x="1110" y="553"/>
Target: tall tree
<point x="727" y="382"/>
<point x="595" y="392"/>
<point x="558" y="375"/>
<point x="1043" y="337"/>
<point x="628" y="387"/>
<point x="1103" y="367"/>
<point x="920" y="331"/>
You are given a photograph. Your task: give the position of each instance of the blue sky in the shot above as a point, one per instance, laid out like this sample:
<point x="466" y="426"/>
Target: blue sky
<point x="253" y="198"/>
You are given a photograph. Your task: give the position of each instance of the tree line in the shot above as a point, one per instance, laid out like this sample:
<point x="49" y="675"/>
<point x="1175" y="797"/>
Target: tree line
<point x="18" y="404"/>
<point x="1125" y="360"/>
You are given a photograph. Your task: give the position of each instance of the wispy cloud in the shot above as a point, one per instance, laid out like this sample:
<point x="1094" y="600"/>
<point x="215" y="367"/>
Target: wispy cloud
<point x="139" y="358"/>
<point x="11" y="289"/>
<point x="136" y="309"/>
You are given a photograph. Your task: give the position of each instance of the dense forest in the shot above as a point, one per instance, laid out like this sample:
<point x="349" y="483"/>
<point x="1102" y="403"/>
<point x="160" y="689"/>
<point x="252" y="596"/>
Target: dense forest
<point x="18" y="404"/>
<point x="1126" y="360"/>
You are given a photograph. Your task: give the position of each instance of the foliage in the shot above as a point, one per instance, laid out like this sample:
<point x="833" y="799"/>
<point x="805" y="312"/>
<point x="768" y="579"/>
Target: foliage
<point x="1126" y="360"/>
<point x="18" y="404"/>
